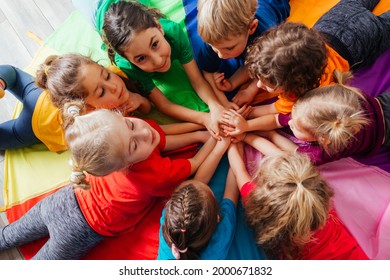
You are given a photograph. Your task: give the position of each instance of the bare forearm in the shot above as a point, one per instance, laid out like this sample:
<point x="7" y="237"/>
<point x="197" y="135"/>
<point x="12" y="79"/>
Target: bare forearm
<point x="179" y="128"/>
<point x="263" y="145"/>
<point x="266" y="122"/>
<point x="201" y="155"/>
<point x="181" y="140"/>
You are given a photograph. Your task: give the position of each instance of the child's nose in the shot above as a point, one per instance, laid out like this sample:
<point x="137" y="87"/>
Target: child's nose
<point x="112" y="87"/>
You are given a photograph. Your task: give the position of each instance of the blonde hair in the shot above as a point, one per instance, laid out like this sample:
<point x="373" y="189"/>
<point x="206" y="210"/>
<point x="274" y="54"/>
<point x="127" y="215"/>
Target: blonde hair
<point x="220" y="19"/>
<point x="290" y="202"/>
<point x="332" y="114"/>
<point x="90" y="141"/>
<point x="190" y="219"/>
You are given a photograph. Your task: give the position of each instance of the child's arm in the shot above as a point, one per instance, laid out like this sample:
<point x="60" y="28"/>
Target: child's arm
<point x="270" y="143"/>
<point x="279" y="140"/>
<point x="179" y="128"/>
<point x="178" y="141"/>
<point x="231" y="189"/>
<point x="136" y="101"/>
<point x="180" y="112"/>
<point x="210" y="78"/>
<point x="239" y="77"/>
<point x="201" y="155"/>
<point x="246" y="95"/>
<point x="237" y="165"/>
<point x="206" y="93"/>
<point x="207" y="168"/>
<point x="235" y="124"/>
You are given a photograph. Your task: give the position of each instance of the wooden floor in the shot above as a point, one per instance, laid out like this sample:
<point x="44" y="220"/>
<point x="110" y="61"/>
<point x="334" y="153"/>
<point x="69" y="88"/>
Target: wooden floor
<point x="17" y="19"/>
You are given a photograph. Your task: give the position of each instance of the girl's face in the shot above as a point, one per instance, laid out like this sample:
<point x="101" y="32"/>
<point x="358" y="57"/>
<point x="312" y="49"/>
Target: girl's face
<point x="138" y="139"/>
<point x="105" y="89"/>
<point x="299" y="132"/>
<point x="149" y="50"/>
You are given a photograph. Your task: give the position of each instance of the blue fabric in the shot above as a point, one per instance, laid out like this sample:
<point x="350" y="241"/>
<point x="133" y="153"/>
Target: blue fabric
<point x="18" y="133"/>
<point x="220" y="241"/>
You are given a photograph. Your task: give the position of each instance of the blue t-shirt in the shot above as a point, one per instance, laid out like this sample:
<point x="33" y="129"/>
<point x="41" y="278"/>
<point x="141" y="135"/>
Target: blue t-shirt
<point x="219" y="244"/>
<point x="269" y="14"/>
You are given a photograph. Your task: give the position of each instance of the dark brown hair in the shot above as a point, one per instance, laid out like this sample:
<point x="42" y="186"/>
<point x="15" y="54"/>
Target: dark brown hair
<point x="290" y="56"/>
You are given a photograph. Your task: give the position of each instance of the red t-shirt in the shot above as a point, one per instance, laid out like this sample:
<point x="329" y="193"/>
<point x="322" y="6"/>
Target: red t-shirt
<point x="117" y="202"/>
<point x="332" y="242"/>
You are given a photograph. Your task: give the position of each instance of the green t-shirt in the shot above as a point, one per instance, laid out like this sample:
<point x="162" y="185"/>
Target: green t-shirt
<point x="174" y="83"/>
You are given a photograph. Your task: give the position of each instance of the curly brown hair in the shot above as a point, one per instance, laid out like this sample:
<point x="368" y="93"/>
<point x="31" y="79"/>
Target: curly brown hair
<point x="291" y="57"/>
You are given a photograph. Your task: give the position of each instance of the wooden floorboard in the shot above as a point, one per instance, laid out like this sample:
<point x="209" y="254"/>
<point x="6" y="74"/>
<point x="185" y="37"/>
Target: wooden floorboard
<point x="17" y="18"/>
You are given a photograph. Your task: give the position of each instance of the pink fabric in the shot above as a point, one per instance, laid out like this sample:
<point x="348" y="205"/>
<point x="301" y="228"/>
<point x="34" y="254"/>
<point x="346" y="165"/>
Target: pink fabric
<point x="362" y="197"/>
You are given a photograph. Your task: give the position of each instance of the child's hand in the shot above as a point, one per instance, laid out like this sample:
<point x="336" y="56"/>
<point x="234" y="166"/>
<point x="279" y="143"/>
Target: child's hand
<point x="215" y="119"/>
<point x="221" y="83"/>
<point x="244" y="96"/>
<point x="135" y="100"/>
<point x="234" y="123"/>
<point x="238" y="138"/>
<point x="230" y="105"/>
<point x="245" y="111"/>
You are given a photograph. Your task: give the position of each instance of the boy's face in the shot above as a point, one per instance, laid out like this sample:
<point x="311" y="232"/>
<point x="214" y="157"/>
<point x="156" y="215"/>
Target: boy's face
<point x="105" y="89"/>
<point x="232" y="47"/>
<point x="235" y="45"/>
<point x="149" y="50"/>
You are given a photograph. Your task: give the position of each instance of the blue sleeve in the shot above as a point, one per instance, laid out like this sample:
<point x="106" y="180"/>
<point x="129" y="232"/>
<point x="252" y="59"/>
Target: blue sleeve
<point x="208" y="60"/>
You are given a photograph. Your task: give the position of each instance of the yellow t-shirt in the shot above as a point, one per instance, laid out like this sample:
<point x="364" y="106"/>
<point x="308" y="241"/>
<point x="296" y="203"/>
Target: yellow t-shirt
<point x="47" y="124"/>
<point x="335" y="61"/>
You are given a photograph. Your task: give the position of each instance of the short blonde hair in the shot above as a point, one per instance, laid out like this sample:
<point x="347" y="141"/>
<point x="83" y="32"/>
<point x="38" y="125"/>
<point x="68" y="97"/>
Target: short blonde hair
<point x="220" y="19"/>
<point x="290" y="202"/>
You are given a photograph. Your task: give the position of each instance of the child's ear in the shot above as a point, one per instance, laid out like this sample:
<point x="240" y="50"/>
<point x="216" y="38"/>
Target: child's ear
<point x="252" y="26"/>
<point x="160" y="27"/>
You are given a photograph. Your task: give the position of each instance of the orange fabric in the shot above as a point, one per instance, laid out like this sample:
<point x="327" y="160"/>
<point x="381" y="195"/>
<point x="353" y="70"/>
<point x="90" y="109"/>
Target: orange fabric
<point x="335" y="61"/>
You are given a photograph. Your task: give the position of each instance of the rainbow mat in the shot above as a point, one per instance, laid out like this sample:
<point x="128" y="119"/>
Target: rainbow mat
<point x="33" y="173"/>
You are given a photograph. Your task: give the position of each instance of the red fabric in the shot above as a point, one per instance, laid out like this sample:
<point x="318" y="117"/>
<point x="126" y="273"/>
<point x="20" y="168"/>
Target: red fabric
<point x="117" y="202"/>
<point x="332" y="242"/>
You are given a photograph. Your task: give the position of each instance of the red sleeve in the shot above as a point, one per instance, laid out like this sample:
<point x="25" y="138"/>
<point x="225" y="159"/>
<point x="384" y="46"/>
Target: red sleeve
<point x="246" y="189"/>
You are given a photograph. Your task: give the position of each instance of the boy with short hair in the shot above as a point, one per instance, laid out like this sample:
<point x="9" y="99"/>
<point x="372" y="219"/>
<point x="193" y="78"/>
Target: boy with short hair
<point x="227" y="27"/>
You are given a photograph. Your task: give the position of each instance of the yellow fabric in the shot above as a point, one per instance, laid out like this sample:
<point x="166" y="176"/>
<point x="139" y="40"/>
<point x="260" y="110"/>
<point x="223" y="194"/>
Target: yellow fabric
<point x="47" y="124"/>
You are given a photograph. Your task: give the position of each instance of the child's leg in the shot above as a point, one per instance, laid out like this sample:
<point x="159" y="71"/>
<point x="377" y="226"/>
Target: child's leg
<point x="355" y="32"/>
<point x="88" y="9"/>
<point x="18" y="133"/>
<point x="70" y="235"/>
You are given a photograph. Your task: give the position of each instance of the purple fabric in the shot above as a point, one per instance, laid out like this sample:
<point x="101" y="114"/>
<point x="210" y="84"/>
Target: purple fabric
<point x="374" y="80"/>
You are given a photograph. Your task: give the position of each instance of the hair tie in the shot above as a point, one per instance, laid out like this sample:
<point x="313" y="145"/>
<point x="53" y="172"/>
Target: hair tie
<point x="176" y="251"/>
<point x="336" y="123"/>
<point x="47" y="70"/>
<point x="183" y="230"/>
<point x="74" y="110"/>
<point x="77" y="177"/>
